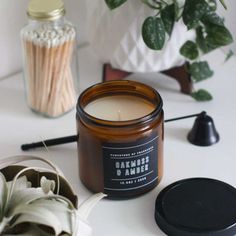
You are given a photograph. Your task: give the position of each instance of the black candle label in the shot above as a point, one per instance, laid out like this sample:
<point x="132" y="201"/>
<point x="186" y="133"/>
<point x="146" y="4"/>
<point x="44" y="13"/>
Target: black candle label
<point x="130" y="167"/>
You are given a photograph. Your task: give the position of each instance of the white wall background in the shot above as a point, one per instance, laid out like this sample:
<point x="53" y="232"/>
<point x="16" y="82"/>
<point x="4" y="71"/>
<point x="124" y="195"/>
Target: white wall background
<point x="13" y="17"/>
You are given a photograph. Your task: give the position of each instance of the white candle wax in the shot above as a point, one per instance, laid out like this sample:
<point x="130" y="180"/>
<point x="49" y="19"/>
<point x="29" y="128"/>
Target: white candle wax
<point x="119" y="108"/>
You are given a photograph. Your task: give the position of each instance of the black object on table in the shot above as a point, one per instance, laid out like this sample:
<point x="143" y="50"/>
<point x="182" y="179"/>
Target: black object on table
<point x="197" y="207"/>
<point x="203" y="133"/>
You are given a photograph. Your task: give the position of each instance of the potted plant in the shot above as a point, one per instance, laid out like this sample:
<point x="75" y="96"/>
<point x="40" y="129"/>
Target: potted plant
<point x="38" y="201"/>
<point x="156" y="35"/>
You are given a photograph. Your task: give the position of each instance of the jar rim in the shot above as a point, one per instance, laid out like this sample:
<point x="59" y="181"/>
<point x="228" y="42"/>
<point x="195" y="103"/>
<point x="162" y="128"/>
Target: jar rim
<point x="119" y="87"/>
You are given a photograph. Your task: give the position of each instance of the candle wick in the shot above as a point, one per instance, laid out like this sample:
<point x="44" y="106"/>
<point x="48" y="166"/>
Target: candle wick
<point x="119" y="115"/>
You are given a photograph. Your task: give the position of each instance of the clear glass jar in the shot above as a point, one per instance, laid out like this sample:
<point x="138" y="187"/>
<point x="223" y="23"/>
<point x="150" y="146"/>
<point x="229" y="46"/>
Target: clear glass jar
<point x="122" y="158"/>
<point x="50" y="59"/>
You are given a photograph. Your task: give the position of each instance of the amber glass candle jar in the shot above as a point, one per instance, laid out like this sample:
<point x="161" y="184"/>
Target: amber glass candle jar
<point x="120" y="145"/>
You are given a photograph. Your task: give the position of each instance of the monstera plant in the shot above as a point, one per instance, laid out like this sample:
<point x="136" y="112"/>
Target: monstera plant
<point x="199" y="16"/>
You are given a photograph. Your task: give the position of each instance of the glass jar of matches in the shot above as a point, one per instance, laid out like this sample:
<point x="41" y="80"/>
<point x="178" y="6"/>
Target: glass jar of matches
<point x="50" y="61"/>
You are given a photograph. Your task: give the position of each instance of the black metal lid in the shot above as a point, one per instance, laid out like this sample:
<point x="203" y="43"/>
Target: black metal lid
<point x="197" y="206"/>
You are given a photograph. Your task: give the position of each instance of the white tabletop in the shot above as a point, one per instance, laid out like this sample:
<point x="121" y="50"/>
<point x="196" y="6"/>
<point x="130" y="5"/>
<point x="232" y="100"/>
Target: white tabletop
<point x="134" y="217"/>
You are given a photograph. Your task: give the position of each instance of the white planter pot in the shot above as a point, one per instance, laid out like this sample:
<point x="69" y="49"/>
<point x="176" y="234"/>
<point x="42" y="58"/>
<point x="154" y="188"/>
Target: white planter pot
<point x="116" y="38"/>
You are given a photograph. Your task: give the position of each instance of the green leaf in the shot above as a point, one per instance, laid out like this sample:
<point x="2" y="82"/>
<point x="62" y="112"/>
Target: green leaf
<point x="200" y="71"/>
<point x="229" y="55"/>
<point x="112" y="4"/>
<point x="177" y="10"/>
<point x="212" y="18"/>
<point x="152" y="4"/>
<point x="153" y="32"/>
<point x="194" y="10"/>
<point x="223" y="4"/>
<point x="201" y="41"/>
<point x="201" y="95"/>
<point x="168" y="18"/>
<point x="189" y="50"/>
<point x="218" y="35"/>
<point x="212" y="5"/>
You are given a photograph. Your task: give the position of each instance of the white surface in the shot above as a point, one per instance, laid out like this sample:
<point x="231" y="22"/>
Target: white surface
<point x="181" y="160"/>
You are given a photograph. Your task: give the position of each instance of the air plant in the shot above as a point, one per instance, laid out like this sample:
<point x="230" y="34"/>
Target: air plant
<point x="40" y="211"/>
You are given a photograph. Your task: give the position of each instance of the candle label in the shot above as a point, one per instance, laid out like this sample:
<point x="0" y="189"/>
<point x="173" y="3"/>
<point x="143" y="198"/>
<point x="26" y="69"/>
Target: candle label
<point x="130" y="167"/>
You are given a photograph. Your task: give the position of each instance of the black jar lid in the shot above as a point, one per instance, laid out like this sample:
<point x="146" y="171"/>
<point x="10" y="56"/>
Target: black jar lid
<point x="197" y="206"/>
